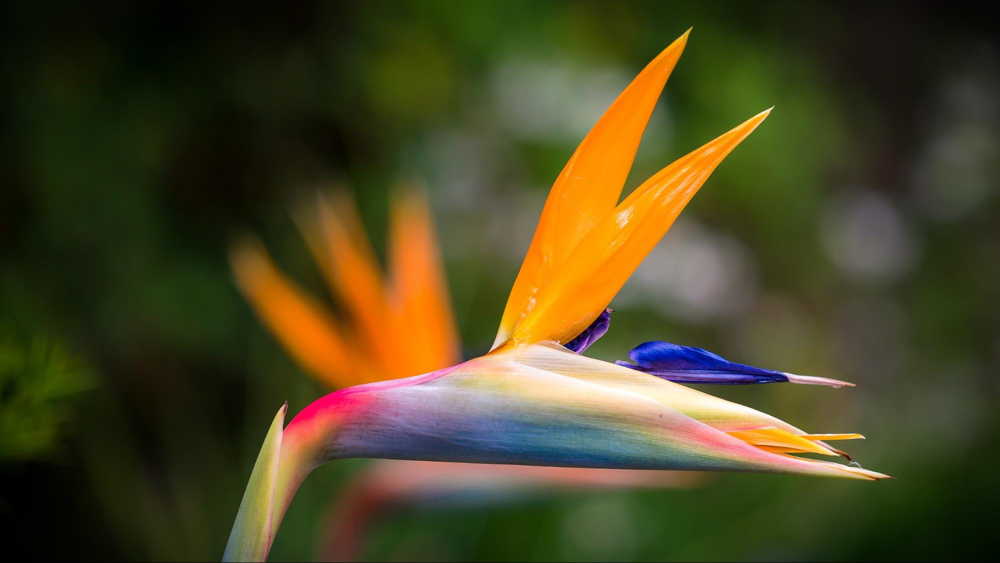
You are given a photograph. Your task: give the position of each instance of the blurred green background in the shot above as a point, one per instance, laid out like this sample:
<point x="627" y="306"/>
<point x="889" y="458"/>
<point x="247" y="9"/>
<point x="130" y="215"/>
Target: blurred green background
<point x="855" y="235"/>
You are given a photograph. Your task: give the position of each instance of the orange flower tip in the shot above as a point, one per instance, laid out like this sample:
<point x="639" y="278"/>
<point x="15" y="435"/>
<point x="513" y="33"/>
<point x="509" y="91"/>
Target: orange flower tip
<point x="681" y="41"/>
<point x="756" y="120"/>
<point x="672" y="52"/>
<point x="677" y="45"/>
<point x="811" y="380"/>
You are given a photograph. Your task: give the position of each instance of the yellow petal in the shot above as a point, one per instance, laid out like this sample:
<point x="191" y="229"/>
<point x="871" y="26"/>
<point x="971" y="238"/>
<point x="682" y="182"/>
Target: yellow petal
<point x="425" y="336"/>
<point x="301" y="324"/>
<point x="589" y="186"/>
<point x="780" y="440"/>
<point x="612" y="250"/>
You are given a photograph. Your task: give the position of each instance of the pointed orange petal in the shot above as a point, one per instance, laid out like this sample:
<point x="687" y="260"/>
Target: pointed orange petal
<point x="302" y="325"/>
<point x="589" y="186"/>
<point x="425" y="326"/>
<point x="338" y="241"/>
<point x="608" y="255"/>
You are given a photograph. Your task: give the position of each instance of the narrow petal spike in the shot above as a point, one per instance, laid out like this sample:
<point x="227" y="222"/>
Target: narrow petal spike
<point x="425" y="325"/>
<point x="812" y="380"/>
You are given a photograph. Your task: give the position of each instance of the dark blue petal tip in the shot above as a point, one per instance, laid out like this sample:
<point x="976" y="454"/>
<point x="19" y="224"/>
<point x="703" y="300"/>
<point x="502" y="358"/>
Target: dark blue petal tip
<point x="687" y="364"/>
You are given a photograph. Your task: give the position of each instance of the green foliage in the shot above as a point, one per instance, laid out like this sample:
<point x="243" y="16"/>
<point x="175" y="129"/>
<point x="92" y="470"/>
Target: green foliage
<point x="39" y="382"/>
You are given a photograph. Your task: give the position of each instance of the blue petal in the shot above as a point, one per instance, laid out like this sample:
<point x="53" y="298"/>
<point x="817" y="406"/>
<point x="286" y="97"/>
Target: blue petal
<point x="687" y="364"/>
<point x="592" y="333"/>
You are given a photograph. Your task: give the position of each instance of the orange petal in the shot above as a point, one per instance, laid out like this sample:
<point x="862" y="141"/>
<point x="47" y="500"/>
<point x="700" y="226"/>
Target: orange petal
<point x="589" y="186"/>
<point x="607" y="256"/>
<point x="425" y="326"/>
<point x="338" y="241"/>
<point x="301" y="324"/>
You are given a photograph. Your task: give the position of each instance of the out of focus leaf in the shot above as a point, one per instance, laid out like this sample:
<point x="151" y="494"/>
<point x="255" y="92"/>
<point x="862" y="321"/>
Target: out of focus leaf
<point x="38" y="378"/>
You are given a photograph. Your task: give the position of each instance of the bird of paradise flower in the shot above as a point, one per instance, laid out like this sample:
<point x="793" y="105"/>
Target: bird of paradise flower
<point x="534" y="399"/>
<point x="376" y="341"/>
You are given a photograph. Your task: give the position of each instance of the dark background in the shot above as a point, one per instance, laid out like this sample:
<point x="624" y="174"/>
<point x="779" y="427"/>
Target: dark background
<point x="855" y="235"/>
